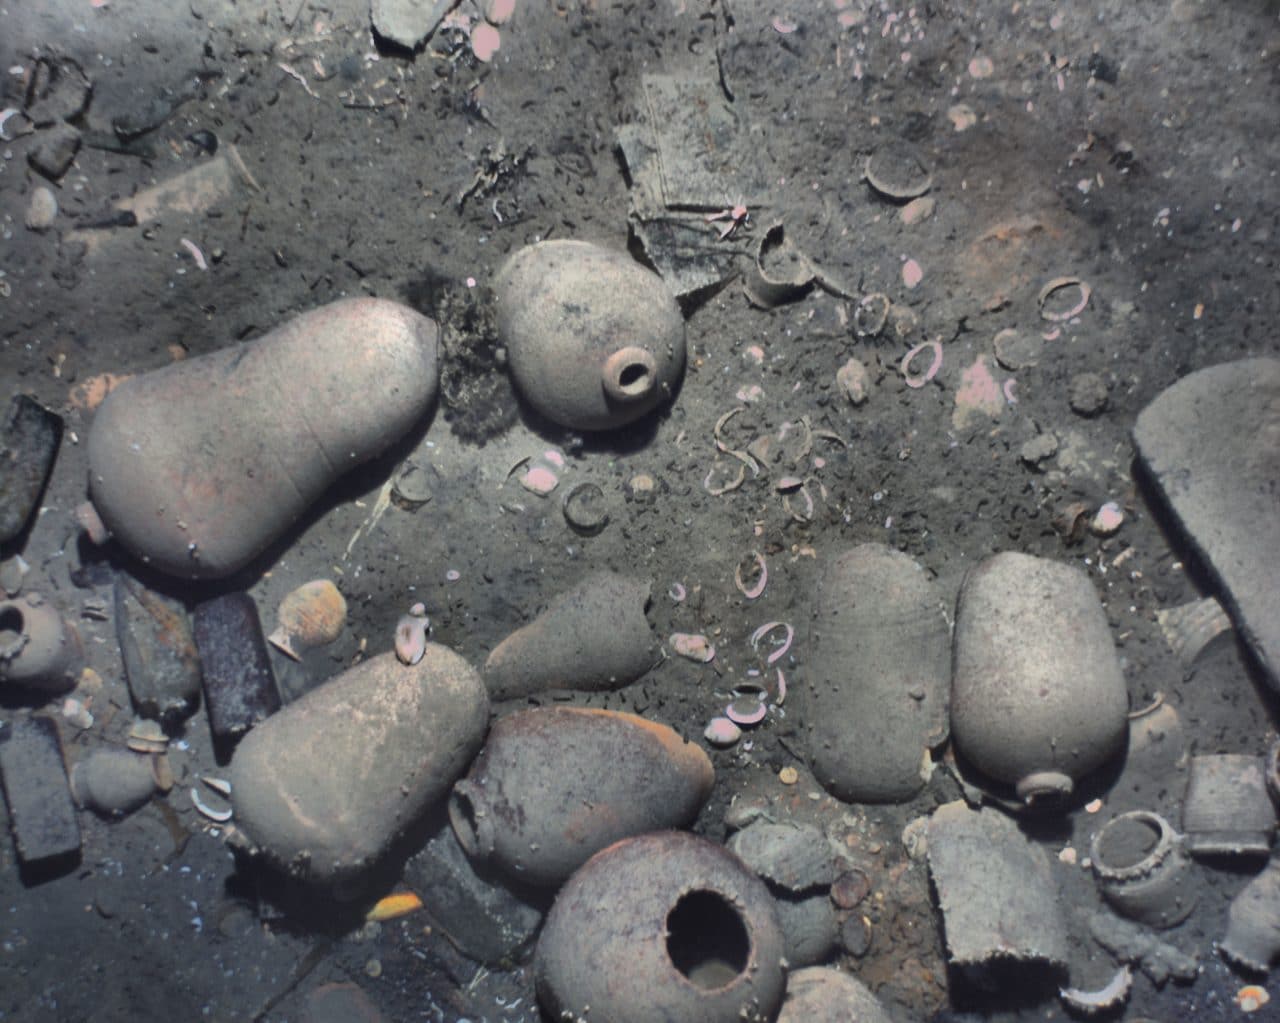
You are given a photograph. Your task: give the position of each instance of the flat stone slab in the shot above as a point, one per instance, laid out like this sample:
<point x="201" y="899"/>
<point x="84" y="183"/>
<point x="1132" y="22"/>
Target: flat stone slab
<point x="1212" y="445"/>
<point x="34" y="774"/>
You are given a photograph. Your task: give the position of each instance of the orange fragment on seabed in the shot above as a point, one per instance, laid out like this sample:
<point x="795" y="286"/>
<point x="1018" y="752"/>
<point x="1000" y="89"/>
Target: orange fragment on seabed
<point x="89" y="394"/>
<point x="391" y="906"/>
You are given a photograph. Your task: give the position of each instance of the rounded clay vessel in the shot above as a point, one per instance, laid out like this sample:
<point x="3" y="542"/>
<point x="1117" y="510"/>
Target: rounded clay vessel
<point x="39" y="650"/>
<point x="1037" y="699"/>
<point x="321" y="788"/>
<point x="665" y="926"/>
<point x="594" y="636"/>
<point x="197" y="467"/>
<point x="879" y="675"/>
<point x="554" y="785"/>
<point x="594" y="339"/>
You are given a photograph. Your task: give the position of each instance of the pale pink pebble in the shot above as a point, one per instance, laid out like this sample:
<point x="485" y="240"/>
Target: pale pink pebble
<point x="722" y="732"/>
<point x="783" y="27"/>
<point x="453" y="575"/>
<point x="978" y="394"/>
<point x="499" y="11"/>
<point x="749" y="394"/>
<point x="912" y="274"/>
<point x="854" y="379"/>
<point x="918" y="209"/>
<point x="485" y="41"/>
<point x="848" y="19"/>
<point x="1108" y="519"/>
<point x="411" y="639"/>
<point x="695" y="647"/>
<point x="981" y="67"/>
<point x="553" y="457"/>
<point x="756" y="354"/>
<point x="539" y="480"/>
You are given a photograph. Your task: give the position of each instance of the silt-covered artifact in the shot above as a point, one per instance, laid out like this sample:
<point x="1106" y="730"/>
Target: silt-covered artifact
<point x="197" y="467"/>
<point x="322" y="788"/>
<point x="664" y="926"/>
<point x="591" y="637"/>
<point x="998" y="898"/>
<point x="595" y="340"/>
<point x="879" y="675"/>
<point x="1037" y="698"/>
<point x="555" y="785"/>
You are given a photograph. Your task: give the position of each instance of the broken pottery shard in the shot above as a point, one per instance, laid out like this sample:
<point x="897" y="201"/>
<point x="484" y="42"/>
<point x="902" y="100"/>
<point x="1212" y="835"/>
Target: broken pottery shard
<point x="810" y="927"/>
<point x="1133" y="944"/>
<point x="689" y="153"/>
<point x="1253" y="922"/>
<point x="795" y="857"/>
<point x="1211" y="443"/>
<point x="407" y="22"/>
<point x="41" y="813"/>
<point x="592" y="637"/>
<point x="28" y="443"/>
<point x="239" y="687"/>
<point x="879" y="675"/>
<point x="484" y="918"/>
<point x="1190" y="628"/>
<point x="997" y="897"/>
<point x="160" y="660"/>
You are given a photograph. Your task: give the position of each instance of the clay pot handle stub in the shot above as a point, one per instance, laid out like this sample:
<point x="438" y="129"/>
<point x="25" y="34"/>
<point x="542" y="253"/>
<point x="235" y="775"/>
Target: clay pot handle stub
<point x="471" y="819"/>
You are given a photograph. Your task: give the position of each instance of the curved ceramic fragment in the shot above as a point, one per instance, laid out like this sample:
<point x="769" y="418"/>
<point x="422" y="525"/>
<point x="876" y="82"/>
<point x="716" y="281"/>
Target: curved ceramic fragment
<point x="592" y="637"/>
<point x="310" y="616"/>
<point x="1211" y="444"/>
<point x="998" y="898"/>
<point x="1253" y="921"/>
<point x="555" y="785"/>
<point x="113" y="781"/>
<point x="321" y="788"/>
<point x="879" y="675"/>
<point x="1141" y="868"/>
<point x="1227" y="810"/>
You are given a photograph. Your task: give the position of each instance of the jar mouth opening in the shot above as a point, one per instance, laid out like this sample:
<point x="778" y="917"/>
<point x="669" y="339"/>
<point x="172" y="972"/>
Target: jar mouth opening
<point x="630" y="374"/>
<point x="1131" y="845"/>
<point x="13" y="631"/>
<point x="1042" y="788"/>
<point x="707" y="939"/>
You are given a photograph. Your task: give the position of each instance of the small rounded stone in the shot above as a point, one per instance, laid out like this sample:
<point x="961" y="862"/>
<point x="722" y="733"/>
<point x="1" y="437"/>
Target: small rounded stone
<point x="42" y="209"/>
<point x="1088" y="394"/>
